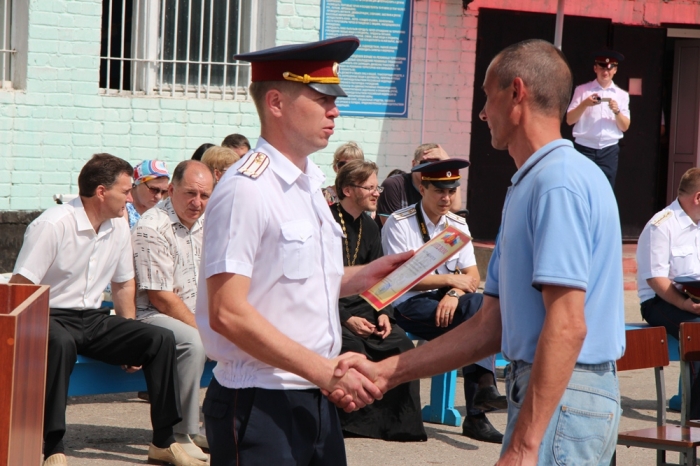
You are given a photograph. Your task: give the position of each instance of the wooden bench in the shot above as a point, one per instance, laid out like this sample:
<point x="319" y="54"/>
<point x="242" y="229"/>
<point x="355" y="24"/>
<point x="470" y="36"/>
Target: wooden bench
<point x="91" y="377"/>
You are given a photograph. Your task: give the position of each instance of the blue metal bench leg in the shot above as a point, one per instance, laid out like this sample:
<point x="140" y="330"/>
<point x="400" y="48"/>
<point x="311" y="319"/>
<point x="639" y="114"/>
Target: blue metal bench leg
<point x="441" y="409"/>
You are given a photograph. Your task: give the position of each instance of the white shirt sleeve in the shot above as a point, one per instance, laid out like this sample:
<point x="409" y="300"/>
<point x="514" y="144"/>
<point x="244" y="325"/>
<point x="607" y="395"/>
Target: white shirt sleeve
<point x="235" y="223"/>
<point x="576" y="99"/>
<point x="393" y="237"/>
<point x="125" y="267"/>
<point x="40" y="247"/>
<point x="654" y="259"/>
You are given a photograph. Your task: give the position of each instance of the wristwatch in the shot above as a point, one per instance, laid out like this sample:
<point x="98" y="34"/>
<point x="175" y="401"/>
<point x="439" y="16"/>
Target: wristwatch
<point x="452" y="293"/>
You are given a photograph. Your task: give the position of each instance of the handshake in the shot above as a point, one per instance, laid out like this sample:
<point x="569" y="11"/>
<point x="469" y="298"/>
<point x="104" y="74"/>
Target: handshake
<point x="355" y="382"/>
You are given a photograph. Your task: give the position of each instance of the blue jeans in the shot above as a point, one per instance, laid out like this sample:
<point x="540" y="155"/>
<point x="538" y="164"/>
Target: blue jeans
<point x="583" y="428"/>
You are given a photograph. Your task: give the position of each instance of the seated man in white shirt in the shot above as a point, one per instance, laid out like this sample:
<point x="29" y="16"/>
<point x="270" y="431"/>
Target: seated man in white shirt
<point x="447" y="297"/>
<point x="77" y="249"/>
<point x="600" y="114"/>
<point x="167" y="243"/>
<point x="668" y="248"/>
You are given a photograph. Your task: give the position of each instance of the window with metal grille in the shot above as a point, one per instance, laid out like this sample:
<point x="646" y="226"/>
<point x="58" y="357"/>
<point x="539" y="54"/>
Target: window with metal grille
<point x="176" y="47"/>
<point x="7" y="51"/>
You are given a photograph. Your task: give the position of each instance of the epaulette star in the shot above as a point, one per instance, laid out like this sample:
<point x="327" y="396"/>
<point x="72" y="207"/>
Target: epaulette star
<point x="255" y="165"/>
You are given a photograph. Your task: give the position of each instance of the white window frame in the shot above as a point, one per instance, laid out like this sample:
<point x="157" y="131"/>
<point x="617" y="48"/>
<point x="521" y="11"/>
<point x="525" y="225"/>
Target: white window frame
<point x="13" y="43"/>
<point x="148" y="77"/>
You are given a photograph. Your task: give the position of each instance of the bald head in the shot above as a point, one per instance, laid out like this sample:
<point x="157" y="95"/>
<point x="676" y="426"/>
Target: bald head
<point x="544" y="71"/>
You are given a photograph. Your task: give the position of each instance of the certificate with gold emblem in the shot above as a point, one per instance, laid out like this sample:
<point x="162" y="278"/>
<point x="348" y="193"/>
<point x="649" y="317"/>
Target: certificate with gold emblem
<point x="428" y="258"/>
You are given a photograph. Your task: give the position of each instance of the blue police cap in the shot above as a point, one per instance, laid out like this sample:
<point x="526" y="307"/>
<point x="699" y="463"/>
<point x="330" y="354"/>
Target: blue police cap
<point x="443" y="174"/>
<point x="314" y="64"/>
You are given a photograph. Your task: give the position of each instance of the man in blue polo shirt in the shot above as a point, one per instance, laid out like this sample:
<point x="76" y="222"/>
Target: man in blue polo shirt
<point x="553" y="299"/>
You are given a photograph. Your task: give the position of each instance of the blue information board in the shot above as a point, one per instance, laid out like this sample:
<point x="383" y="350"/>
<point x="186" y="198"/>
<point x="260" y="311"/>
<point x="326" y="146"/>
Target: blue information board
<point x="376" y="76"/>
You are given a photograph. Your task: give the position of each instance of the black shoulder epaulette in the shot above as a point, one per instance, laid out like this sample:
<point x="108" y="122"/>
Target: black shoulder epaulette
<point x="456" y="218"/>
<point x="255" y="165"/>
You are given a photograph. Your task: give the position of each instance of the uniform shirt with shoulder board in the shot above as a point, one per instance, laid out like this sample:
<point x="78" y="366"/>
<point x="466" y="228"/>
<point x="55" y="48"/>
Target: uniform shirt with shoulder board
<point x="166" y="257"/>
<point x="62" y="250"/>
<point x="399" y="193"/>
<point x="668" y="247"/>
<point x="560" y="226"/>
<point x="597" y="127"/>
<point x="401" y="233"/>
<point x="268" y="220"/>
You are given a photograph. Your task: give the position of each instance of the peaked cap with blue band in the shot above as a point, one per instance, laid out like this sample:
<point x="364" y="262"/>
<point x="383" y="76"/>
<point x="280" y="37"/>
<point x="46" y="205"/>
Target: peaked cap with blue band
<point x="443" y="174"/>
<point x="314" y="64"/>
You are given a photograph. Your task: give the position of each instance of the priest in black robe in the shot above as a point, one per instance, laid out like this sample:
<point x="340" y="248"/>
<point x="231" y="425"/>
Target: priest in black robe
<point x="397" y="416"/>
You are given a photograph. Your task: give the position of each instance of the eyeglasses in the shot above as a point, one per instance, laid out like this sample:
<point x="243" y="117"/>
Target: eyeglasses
<point x="379" y="189"/>
<point x="156" y="191"/>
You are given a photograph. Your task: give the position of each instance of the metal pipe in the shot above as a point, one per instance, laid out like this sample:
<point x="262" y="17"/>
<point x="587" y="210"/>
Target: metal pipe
<point x="559" y="25"/>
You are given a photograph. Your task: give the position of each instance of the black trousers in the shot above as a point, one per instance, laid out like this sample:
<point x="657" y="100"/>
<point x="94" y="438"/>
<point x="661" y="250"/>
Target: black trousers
<point x="660" y="313"/>
<point x="605" y="158"/>
<point x="417" y="316"/>
<point x="256" y="426"/>
<point x="114" y="340"/>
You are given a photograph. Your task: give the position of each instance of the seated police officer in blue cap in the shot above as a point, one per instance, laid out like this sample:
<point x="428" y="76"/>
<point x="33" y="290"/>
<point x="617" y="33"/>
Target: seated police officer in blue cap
<point x="267" y="308"/>
<point x="600" y="113"/>
<point x="447" y="297"/>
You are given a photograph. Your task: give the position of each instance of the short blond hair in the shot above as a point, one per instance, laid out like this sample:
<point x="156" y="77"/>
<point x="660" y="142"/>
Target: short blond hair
<point x="690" y="182"/>
<point x="220" y="158"/>
<point x="347" y="152"/>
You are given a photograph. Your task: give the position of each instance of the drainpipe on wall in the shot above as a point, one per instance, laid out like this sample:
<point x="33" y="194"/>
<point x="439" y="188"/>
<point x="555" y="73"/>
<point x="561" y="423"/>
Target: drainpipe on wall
<point x="425" y="75"/>
<point x="559" y="25"/>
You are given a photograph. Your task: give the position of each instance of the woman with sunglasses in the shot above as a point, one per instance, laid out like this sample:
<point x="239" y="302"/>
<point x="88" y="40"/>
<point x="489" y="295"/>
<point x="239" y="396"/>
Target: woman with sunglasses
<point x="151" y="179"/>
<point x="343" y="154"/>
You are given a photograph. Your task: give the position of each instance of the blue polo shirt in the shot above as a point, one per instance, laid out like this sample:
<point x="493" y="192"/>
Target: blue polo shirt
<point x="560" y="226"/>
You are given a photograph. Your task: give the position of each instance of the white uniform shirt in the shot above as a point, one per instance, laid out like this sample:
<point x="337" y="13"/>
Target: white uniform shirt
<point x="278" y="231"/>
<point x="668" y="247"/>
<point x="401" y="233"/>
<point x="597" y="128"/>
<point x="62" y="250"/>
<point x="166" y="257"/>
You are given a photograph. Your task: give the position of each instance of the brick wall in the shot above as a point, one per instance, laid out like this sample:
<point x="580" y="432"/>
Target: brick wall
<point x="48" y="130"/>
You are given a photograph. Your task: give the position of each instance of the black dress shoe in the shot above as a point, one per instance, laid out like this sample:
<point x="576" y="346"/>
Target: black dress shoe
<point x="479" y="428"/>
<point x="488" y="399"/>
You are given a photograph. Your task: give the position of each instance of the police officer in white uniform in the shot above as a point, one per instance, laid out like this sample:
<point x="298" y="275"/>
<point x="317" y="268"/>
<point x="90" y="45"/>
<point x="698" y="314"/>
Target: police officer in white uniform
<point x="668" y="249"/>
<point x="600" y="113"/>
<point x="272" y="265"/>
<point x="447" y="297"/>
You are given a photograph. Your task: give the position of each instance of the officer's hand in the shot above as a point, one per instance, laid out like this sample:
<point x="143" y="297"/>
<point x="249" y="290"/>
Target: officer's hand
<point x="690" y="306"/>
<point x="360" y="326"/>
<point x="464" y="282"/>
<point x="446" y="311"/>
<point x="384" y="326"/>
<point x="613" y="106"/>
<point x="437" y="153"/>
<point x="591" y="100"/>
<point x="130" y="369"/>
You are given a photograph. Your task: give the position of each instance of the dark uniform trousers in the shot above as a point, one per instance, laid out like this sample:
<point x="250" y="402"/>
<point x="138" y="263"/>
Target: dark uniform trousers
<point x="257" y="426"/>
<point x="114" y="340"/>
<point x="416" y="315"/>
<point x="605" y="158"/>
<point x="660" y="313"/>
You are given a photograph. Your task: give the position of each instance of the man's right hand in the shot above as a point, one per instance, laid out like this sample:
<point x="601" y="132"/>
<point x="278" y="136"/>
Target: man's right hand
<point x="691" y="306"/>
<point x="349" y="389"/>
<point x="591" y="100"/>
<point x="464" y="282"/>
<point x="360" y="326"/>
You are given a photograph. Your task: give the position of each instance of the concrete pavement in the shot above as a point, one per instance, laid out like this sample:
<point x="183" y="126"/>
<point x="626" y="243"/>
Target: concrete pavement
<point x="114" y="430"/>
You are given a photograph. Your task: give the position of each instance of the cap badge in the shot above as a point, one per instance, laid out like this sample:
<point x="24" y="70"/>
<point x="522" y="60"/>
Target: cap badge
<point x="336" y="68"/>
<point x="449" y="174"/>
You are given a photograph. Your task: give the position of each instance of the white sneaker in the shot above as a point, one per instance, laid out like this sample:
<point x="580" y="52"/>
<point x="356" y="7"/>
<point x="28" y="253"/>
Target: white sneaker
<point x="190" y="448"/>
<point x="201" y="441"/>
